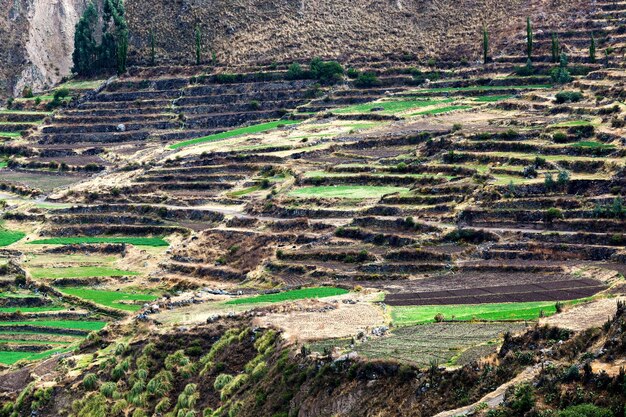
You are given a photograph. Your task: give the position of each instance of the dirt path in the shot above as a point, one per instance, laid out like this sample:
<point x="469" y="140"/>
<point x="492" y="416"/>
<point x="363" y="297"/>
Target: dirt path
<point x="494" y="398"/>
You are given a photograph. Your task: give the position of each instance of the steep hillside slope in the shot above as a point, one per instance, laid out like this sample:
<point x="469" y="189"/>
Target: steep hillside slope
<point x="247" y="31"/>
<point x="39" y="33"/>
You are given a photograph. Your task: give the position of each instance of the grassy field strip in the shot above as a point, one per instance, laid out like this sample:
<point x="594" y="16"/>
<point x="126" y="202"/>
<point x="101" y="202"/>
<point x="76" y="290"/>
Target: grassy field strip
<point x="318" y="292"/>
<point x="10" y="357"/>
<point x="441" y="110"/>
<point x="410" y="315"/>
<point x="137" y="241"/>
<point x="79" y="272"/>
<point x="391" y="106"/>
<point x="113" y="299"/>
<point x="263" y="127"/>
<point x="58" y="324"/>
<point x="31" y="309"/>
<point x="8" y="237"/>
<point x="10" y="134"/>
<point x="346" y="191"/>
<point x="33" y="342"/>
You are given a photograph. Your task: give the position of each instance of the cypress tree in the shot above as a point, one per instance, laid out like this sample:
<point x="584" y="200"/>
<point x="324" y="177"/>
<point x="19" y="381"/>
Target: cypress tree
<point x="592" y="49"/>
<point x="85" y="47"/>
<point x="555" y="48"/>
<point x="529" y="38"/>
<point x="198" y="45"/>
<point x="485" y="45"/>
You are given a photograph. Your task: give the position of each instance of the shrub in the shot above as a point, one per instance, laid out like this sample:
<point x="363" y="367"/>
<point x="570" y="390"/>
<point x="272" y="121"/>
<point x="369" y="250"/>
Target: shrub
<point x="295" y="72"/>
<point x="559" y="137"/>
<point x="221" y="381"/>
<point x="367" y="80"/>
<point x="585" y="410"/>
<point x="568" y="97"/>
<point x="90" y="382"/>
<point x="328" y="72"/>
<point x="523" y="398"/>
<point x="352" y="73"/>
<point x="553" y="214"/>
<point x="108" y="388"/>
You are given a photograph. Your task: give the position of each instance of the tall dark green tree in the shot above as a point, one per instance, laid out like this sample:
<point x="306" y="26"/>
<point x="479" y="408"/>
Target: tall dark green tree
<point x="85" y="46"/>
<point x="555" y="48"/>
<point x="529" y="38"/>
<point x="592" y="49"/>
<point x="198" y="45"/>
<point x="485" y="45"/>
<point x="114" y="35"/>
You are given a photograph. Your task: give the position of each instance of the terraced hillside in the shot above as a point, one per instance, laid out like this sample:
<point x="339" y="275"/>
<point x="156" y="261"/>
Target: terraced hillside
<point x="184" y="230"/>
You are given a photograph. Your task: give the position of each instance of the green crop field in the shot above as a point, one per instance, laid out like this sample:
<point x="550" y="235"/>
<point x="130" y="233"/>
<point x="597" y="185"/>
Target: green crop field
<point x="58" y="324"/>
<point x="8" y="237"/>
<point x="441" y="110"/>
<point x="408" y="315"/>
<point x="263" y="127"/>
<point x="318" y="292"/>
<point x="30" y="309"/>
<point x="391" y="107"/>
<point x="10" y="134"/>
<point x="346" y="191"/>
<point x="113" y="299"/>
<point x="137" y="241"/>
<point x="9" y="357"/>
<point x="592" y="144"/>
<point x="491" y="99"/>
<point x="79" y="272"/>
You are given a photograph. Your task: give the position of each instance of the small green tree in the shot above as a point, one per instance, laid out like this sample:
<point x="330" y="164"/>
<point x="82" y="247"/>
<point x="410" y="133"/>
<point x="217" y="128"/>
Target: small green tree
<point x="529" y="38"/>
<point x="592" y="49"/>
<point x="555" y="47"/>
<point x="561" y="74"/>
<point x="198" y="45"/>
<point x="485" y="45"/>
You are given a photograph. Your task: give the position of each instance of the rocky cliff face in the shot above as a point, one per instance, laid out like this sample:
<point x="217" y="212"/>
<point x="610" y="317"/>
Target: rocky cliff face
<point x="37" y="42"/>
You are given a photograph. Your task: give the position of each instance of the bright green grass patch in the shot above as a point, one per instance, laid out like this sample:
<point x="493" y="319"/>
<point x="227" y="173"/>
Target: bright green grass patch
<point x="79" y="272"/>
<point x="592" y="144"/>
<point x="346" y="191"/>
<point x="408" y="315"/>
<point x="30" y="309"/>
<point x="81" y="85"/>
<point x="8" y="237"/>
<point x="317" y="292"/>
<point x="391" y="106"/>
<point x="573" y="123"/>
<point x="441" y="110"/>
<point x="10" y="134"/>
<point x="33" y="342"/>
<point x="244" y="191"/>
<point x="263" y="127"/>
<point x="113" y="299"/>
<point x="9" y="358"/>
<point x="3" y="164"/>
<point x="491" y="99"/>
<point x="58" y="324"/>
<point x="137" y="241"/>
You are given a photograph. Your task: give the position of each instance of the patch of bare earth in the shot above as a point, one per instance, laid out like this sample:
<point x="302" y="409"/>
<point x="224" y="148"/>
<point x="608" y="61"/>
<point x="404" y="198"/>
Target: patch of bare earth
<point x="584" y="316"/>
<point x="322" y="320"/>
